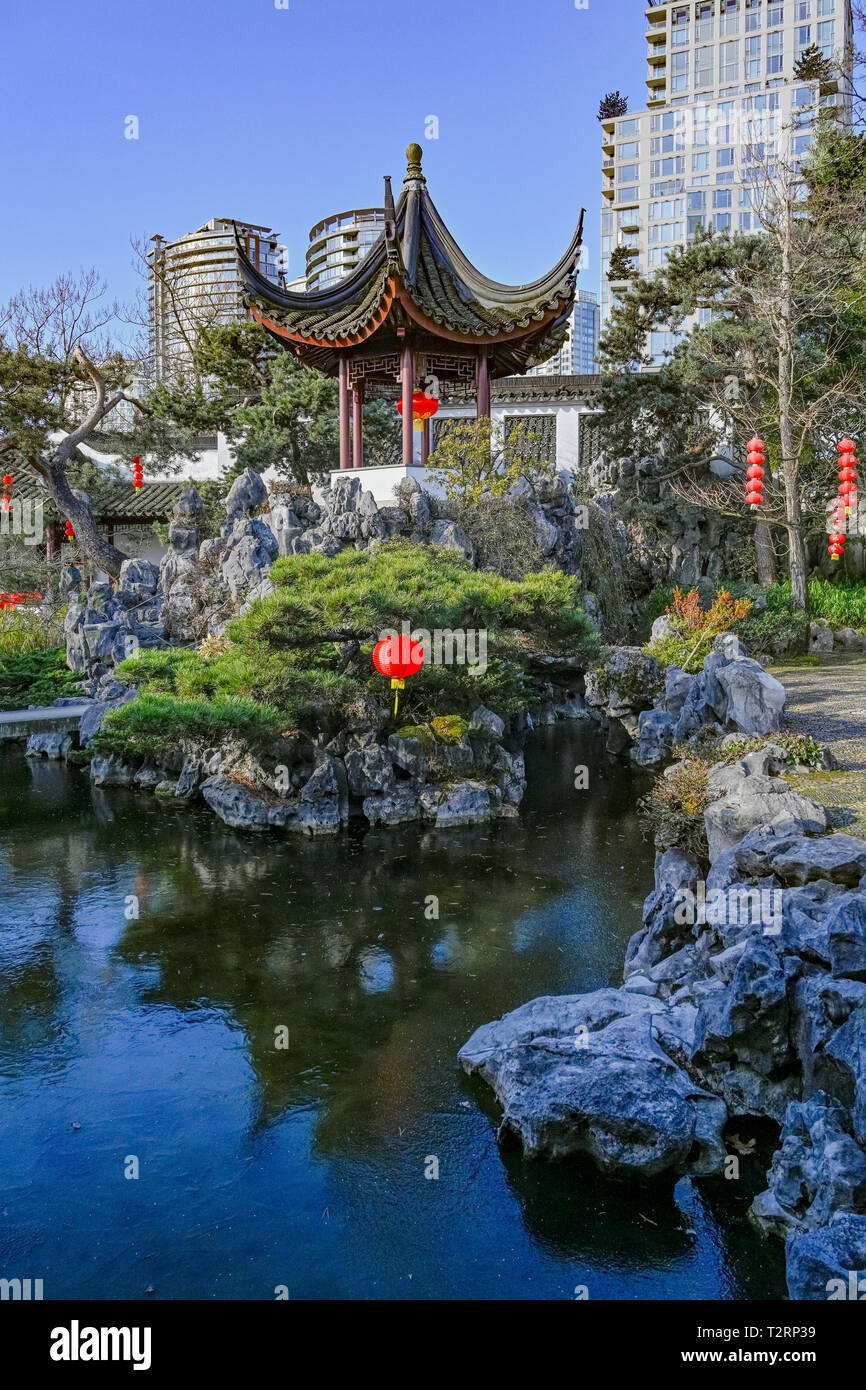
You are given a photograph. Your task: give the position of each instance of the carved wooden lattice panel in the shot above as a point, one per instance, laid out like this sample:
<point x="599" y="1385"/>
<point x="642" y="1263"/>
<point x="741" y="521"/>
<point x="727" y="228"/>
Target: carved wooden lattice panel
<point x="540" y="432"/>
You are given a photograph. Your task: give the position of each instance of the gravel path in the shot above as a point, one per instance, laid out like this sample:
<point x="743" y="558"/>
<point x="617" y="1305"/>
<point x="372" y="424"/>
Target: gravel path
<point x="829" y="702"/>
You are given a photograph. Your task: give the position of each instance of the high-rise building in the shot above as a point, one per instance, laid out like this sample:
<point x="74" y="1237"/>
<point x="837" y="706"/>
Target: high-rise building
<point x="577" y="356"/>
<point x="337" y="244"/>
<point x="722" y="103"/>
<point x="194" y="282"/>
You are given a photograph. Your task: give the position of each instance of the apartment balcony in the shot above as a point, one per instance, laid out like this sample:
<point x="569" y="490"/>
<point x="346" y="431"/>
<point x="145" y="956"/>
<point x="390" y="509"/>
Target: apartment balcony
<point x="607" y="191"/>
<point x="630" y="226"/>
<point x="657" y="53"/>
<point x="607" y="144"/>
<point x="656" y="77"/>
<point x="608" y="167"/>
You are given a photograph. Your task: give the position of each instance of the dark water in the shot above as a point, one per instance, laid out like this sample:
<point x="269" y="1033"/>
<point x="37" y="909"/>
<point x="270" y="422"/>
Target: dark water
<point x="304" y="1167"/>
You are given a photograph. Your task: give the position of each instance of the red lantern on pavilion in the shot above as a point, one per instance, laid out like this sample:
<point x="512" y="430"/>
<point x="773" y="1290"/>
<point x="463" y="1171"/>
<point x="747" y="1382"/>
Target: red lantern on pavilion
<point x="137" y="472"/>
<point x="399" y="658"/>
<point x="423" y="407"/>
<point x="755" y="472"/>
<point x="847" y="473"/>
<point x="7" y="483"/>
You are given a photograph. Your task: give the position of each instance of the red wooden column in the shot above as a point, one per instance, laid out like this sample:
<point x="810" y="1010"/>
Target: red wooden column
<point x="358" y="425"/>
<point x="482" y="388"/>
<point x="407" y="377"/>
<point x="344" y="413"/>
<point x="425" y="443"/>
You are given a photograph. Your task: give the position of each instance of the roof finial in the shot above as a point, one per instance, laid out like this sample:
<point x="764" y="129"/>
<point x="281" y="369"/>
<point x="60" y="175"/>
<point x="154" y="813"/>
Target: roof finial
<point x="413" y="162"/>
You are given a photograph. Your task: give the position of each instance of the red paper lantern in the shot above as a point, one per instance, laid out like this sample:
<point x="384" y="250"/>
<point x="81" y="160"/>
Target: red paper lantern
<point x="70" y="534"/>
<point x="423" y="406"/>
<point x="846" y="446"/>
<point x="399" y="658"/>
<point x="755" y="472"/>
<point x="7" y="480"/>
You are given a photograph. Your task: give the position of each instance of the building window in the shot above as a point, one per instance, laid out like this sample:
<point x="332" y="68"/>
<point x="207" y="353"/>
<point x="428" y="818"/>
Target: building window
<point x="721" y="221"/>
<point x="627" y="128"/>
<point x="700" y="162"/>
<point x="729" y="19"/>
<point x="803" y="37"/>
<point x="729" y="56"/>
<point x="826" y="41"/>
<point x="703" y="23"/>
<point x="753" y="15"/>
<point x="704" y="67"/>
<point x="721" y="198"/>
<point x="725" y="159"/>
<point x="802" y="10"/>
<point x="627" y="195"/>
<point x="627" y="173"/>
<point x="679" y="72"/>
<point x="774" y="52"/>
<point x="753" y="56"/>
<point x="629" y="151"/>
<point x="775" y="16"/>
<point x="679" y="28"/>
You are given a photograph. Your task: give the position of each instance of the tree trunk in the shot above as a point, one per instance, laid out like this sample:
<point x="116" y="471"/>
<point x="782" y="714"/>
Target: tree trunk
<point x="101" y="551"/>
<point x="790" y="458"/>
<point x="765" y="556"/>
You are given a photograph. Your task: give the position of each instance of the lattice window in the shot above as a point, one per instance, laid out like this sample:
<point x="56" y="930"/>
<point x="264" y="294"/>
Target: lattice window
<point x="540" y="430"/>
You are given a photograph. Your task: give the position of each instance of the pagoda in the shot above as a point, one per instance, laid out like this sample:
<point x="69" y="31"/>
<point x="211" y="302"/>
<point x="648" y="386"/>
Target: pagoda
<point x="415" y="314"/>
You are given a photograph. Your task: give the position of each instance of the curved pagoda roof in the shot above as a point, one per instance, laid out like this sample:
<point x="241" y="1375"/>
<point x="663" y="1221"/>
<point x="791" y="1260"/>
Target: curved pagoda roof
<point x="415" y="283"/>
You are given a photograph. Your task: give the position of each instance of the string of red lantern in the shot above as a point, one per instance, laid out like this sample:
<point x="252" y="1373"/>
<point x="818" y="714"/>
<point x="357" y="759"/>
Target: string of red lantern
<point x="7" y="483"/>
<point x="846" y="501"/>
<point x="399" y="658"/>
<point x="137" y="472"/>
<point x="423" y="406"/>
<point x="70" y="534"/>
<point x="755" y="472"/>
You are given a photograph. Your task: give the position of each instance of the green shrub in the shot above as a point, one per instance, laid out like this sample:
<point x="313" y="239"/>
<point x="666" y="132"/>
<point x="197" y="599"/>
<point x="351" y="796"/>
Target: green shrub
<point x="35" y="678"/>
<point x="154" y="725"/>
<point x="799" y="749"/>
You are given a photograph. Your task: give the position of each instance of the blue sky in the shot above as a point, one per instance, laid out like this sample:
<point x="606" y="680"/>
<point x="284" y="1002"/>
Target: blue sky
<point x="282" y="116"/>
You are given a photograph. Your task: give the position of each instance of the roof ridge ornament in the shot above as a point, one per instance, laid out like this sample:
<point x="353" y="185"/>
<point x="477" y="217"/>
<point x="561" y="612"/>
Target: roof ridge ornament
<point x="413" y="164"/>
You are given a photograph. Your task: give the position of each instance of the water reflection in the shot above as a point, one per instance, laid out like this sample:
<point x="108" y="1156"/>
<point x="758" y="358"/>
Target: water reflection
<point x="156" y="1034"/>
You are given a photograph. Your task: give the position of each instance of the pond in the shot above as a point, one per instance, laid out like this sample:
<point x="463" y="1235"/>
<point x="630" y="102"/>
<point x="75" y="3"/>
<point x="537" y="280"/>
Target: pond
<point x="267" y="1030"/>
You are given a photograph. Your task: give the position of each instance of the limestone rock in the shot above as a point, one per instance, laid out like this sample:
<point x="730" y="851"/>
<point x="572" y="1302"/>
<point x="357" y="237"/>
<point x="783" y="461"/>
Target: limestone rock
<point x="584" y="1074"/>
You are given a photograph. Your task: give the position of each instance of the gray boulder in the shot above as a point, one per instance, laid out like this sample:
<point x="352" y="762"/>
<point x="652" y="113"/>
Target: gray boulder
<point x="755" y="700"/>
<point x="449" y="535"/>
<point x="820" y="638"/>
<point x="54" y="745"/>
<point x="818" y="1170"/>
<point x="394" y="807"/>
<point x="829" y="1264"/>
<point x="246" y="494"/>
<point x="654" y="738"/>
<point x="368" y="770"/>
<point x="236" y="804"/>
<point x="758" y="800"/>
<point x="467" y="803"/>
<point x="847" y="932"/>
<point x="484" y="724"/>
<point x="585" y="1074"/>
